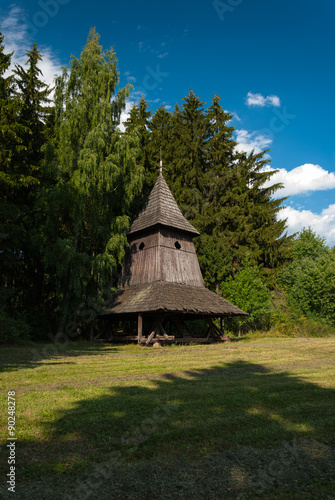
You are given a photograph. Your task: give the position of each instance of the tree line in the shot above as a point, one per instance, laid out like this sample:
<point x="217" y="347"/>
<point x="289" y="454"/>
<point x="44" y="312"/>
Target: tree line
<point x="72" y="182"/>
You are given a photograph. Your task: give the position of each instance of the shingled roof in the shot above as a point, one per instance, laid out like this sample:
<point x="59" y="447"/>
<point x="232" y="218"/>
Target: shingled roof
<point x="161" y="209"/>
<point x="151" y="294"/>
<point x="172" y="297"/>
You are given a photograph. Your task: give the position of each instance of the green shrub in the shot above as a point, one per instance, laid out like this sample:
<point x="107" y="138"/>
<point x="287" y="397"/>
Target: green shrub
<point x="248" y="292"/>
<point x="310" y="278"/>
<point x="13" y="330"/>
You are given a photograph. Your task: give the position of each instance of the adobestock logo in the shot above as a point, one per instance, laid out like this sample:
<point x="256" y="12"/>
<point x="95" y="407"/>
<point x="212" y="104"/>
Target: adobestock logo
<point x="221" y="8"/>
<point x="49" y="9"/>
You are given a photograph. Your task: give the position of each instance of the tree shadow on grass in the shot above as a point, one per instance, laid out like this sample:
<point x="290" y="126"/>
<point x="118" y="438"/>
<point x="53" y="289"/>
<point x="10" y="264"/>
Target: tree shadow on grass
<point x="15" y="358"/>
<point x="193" y="435"/>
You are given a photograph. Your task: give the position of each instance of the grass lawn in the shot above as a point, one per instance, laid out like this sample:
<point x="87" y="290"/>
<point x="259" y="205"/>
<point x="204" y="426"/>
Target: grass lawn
<point x="240" y="420"/>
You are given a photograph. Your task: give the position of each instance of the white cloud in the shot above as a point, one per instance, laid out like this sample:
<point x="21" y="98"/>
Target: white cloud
<point x="235" y="115"/>
<point x="131" y="78"/>
<point x="322" y="224"/>
<point x="135" y="95"/>
<point x="163" y="55"/>
<point x="125" y="115"/>
<point x="255" y="99"/>
<point x="307" y="177"/>
<point x="17" y="40"/>
<point x="260" y="100"/>
<point x="143" y="46"/>
<point x="273" y="100"/>
<point x="166" y="105"/>
<point x="303" y="179"/>
<point x="249" y="141"/>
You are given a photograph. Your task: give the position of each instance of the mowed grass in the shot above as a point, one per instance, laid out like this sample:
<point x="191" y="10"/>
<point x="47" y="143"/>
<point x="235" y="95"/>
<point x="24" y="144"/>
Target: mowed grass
<point x="82" y="405"/>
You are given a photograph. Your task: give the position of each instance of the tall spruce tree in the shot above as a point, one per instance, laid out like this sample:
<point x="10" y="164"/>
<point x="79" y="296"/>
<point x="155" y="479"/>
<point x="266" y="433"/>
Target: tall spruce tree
<point x="240" y="217"/>
<point x="97" y="179"/>
<point x="23" y="122"/>
<point x="34" y="114"/>
<point x="188" y="166"/>
<point x="220" y="190"/>
<point x="138" y="124"/>
<point x="10" y="129"/>
<point x="266" y="237"/>
<point x="13" y="183"/>
<point x="161" y="143"/>
<point x="214" y="253"/>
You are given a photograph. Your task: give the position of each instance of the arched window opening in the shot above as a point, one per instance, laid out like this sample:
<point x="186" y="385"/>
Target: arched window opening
<point x="177" y="245"/>
<point x="142" y="245"/>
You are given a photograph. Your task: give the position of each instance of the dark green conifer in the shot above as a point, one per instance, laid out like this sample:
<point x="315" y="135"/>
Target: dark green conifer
<point x="188" y="163"/>
<point x="23" y="116"/>
<point x="33" y="94"/>
<point x="138" y="124"/>
<point x="220" y="190"/>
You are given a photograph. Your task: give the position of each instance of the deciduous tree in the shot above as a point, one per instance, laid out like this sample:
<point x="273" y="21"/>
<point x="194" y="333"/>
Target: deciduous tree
<point x="97" y="179"/>
<point x="310" y="278"/>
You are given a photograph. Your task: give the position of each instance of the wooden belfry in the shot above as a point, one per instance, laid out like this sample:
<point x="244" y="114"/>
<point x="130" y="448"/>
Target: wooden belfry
<point x="161" y="283"/>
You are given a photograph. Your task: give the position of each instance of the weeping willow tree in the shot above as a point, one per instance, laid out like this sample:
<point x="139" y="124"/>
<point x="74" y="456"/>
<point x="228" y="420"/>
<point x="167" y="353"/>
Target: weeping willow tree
<point x="96" y="179"/>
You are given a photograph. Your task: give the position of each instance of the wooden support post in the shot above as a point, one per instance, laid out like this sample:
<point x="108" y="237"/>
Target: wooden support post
<point x="163" y="332"/>
<point x="151" y="336"/>
<point x="139" y="328"/>
<point x="156" y="328"/>
<point x="215" y="332"/>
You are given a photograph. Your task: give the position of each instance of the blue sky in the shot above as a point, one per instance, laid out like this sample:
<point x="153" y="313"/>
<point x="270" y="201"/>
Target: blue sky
<point x="272" y="63"/>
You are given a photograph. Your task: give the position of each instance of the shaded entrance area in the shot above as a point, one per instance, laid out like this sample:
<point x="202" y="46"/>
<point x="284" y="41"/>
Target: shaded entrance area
<point x="163" y="328"/>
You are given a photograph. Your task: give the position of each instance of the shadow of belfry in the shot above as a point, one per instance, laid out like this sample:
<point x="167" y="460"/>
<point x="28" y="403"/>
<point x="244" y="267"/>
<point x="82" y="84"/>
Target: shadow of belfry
<point x="156" y="445"/>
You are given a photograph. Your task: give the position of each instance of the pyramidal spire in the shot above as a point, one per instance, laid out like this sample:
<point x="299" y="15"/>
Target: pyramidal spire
<point x="161" y="209"/>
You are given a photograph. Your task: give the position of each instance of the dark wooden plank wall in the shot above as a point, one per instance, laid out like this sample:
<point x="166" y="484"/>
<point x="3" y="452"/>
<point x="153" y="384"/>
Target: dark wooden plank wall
<point x="161" y="260"/>
<point x="179" y="265"/>
<point x="144" y="264"/>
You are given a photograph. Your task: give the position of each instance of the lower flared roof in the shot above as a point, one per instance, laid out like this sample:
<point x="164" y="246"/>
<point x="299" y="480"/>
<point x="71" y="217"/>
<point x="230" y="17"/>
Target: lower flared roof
<point x="170" y="297"/>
